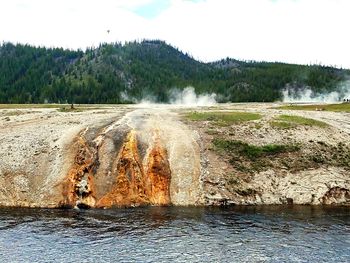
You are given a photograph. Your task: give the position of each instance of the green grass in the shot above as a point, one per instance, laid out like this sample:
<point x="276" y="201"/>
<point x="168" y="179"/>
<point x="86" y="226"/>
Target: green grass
<point x="30" y="106"/>
<point x="59" y="107"/>
<point x="14" y="113"/>
<point x="252" y="151"/>
<point x="68" y="109"/>
<point x="248" y="158"/>
<point x="281" y="124"/>
<point x="77" y="108"/>
<point x="223" y="118"/>
<point x="54" y="106"/>
<point x="212" y="132"/>
<point x="339" y="107"/>
<point x="289" y="121"/>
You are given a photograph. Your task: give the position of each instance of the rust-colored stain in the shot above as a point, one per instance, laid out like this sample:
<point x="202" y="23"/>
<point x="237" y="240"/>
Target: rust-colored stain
<point x="129" y="188"/>
<point x="75" y="190"/>
<point x="158" y="175"/>
<point x="134" y="185"/>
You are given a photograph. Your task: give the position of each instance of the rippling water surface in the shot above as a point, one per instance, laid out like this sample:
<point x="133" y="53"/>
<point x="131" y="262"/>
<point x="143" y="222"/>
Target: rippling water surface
<point x="173" y="234"/>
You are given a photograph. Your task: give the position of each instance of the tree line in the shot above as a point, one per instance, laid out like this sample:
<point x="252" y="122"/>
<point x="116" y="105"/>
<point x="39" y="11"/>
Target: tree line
<point x="126" y="73"/>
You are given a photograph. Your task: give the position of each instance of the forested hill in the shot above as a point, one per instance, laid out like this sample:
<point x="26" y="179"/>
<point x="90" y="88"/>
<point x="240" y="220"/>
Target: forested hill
<point x="116" y="73"/>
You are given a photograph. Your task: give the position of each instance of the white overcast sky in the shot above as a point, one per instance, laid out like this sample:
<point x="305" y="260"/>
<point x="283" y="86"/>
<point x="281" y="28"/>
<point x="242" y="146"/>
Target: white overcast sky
<point x="295" y="31"/>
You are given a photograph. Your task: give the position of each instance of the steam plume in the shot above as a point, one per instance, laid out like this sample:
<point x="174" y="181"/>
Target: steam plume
<point x="291" y="94"/>
<point x="185" y="97"/>
<point x="188" y="97"/>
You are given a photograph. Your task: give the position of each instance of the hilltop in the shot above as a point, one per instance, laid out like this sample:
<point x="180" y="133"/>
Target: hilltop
<point x="127" y="73"/>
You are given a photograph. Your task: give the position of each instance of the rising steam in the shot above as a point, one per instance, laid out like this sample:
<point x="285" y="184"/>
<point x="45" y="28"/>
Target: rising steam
<point x="188" y="97"/>
<point x="185" y="97"/>
<point x="291" y="94"/>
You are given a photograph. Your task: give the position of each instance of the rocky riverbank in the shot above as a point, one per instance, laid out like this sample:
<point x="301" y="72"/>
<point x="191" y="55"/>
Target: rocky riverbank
<point x="282" y="157"/>
<point x="105" y="156"/>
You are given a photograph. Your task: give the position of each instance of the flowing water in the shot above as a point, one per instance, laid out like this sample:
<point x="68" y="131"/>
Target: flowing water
<point x="176" y="234"/>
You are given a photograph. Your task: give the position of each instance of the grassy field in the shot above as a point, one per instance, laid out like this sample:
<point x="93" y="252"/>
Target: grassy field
<point x="60" y="107"/>
<point x="31" y="106"/>
<point x="223" y="118"/>
<point x="289" y="121"/>
<point x="79" y="108"/>
<point x="339" y="107"/>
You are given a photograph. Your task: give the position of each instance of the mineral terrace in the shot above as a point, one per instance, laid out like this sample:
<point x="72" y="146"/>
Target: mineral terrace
<point x="132" y="155"/>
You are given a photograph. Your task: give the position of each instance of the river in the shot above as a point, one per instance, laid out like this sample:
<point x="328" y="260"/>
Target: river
<point x="176" y="234"/>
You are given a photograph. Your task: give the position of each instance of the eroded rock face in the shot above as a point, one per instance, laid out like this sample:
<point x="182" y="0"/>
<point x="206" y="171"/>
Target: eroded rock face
<point x="158" y="174"/>
<point x="128" y="158"/>
<point x="129" y="188"/>
<point x="130" y="165"/>
<point x="336" y="195"/>
<point x="38" y="150"/>
<point x="136" y="183"/>
<point x="78" y="188"/>
<point x="323" y="186"/>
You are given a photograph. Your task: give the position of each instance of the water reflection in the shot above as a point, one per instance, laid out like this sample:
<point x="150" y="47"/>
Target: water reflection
<point x="177" y="234"/>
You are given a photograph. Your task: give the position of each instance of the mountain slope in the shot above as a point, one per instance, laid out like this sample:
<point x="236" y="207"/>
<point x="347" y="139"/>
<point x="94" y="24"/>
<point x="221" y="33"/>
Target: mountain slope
<point x="116" y="73"/>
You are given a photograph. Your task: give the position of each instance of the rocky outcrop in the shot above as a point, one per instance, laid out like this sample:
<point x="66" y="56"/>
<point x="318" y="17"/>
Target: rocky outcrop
<point x="323" y="186"/>
<point x="316" y="173"/>
<point x="143" y="156"/>
<point x="138" y="179"/>
<point x="78" y="188"/>
<point x="133" y="161"/>
<point x="336" y="195"/>
<point x="130" y="182"/>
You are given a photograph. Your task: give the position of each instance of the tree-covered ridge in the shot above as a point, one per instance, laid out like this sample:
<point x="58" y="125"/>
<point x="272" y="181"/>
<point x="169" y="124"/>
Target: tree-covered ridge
<point x="116" y="73"/>
<point x="25" y="71"/>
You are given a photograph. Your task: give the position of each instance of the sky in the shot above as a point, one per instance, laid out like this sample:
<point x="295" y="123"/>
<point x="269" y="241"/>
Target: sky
<point x="292" y="31"/>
